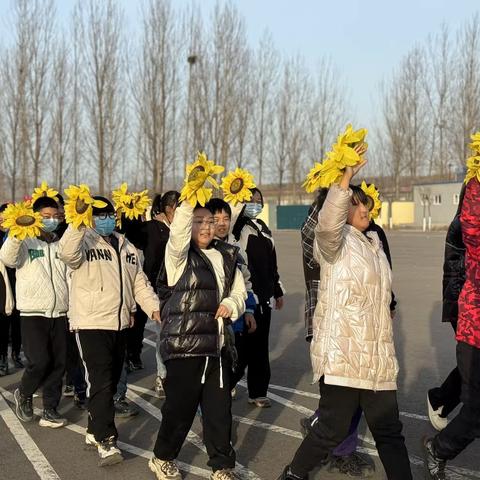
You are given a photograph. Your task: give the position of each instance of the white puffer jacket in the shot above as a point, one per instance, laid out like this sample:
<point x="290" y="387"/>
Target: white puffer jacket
<point x="41" y="287"/>
<point x="352" y="343"/>
<point x="105" y="286"/>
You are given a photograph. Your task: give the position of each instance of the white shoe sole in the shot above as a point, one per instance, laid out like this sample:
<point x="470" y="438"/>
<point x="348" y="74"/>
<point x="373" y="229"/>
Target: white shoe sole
<point x="438" y="423"/>
<point x="110" y="460"/>
<point x="46" y="423"/>
<point x="258" y="403"/>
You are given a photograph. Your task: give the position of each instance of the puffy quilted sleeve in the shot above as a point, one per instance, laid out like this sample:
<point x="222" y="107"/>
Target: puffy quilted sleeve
<point x="331" y="220"/>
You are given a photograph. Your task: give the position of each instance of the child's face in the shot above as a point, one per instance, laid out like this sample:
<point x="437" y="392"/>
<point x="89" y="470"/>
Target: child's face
<point x="203" y="228"/>
<point x="222" y="224"/>
<point x="49" y="212"/>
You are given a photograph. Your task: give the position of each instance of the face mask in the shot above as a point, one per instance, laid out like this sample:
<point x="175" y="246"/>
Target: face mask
<point x="50" y="224"/>
<point x="104" y="226"/>
<point x="252" y="210"/>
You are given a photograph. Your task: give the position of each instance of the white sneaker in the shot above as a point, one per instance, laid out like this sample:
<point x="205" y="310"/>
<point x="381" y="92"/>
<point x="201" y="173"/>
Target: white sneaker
<point x="438" y="422"/>
<point x="109" y="453"/>
<point x="159" y="390"/>
<point x="90" y="441"/>
<point x="225" y="474"/>
<point x="164" y="469"/>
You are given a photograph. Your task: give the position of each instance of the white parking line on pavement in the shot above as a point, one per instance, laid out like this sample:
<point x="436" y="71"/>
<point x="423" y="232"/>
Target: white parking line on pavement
<point x="140" y="452"/>
<point x="30" y="449"/>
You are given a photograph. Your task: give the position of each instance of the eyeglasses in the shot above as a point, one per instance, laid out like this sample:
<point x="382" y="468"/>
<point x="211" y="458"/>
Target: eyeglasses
<point x="104" y="215"/>
<point x="210" y="223"/>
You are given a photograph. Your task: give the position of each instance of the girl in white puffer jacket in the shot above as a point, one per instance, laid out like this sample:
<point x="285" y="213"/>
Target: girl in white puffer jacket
<point x="352" y="350"/>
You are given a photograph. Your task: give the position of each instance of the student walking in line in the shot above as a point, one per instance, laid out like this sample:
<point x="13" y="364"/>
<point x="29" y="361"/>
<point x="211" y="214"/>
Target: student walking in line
<point x="107" y="281"/>
<point x="201" y="290"/>
<point x="42" y="299"/>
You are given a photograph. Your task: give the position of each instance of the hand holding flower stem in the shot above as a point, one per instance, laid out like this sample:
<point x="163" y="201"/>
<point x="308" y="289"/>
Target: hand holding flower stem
<point x="350" y="172"/>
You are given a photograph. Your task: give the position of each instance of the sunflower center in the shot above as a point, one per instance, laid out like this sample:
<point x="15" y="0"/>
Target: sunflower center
<point x="80" y="206"/>
<point x="25" y="220"/>
<point x="195" y="173"/>
<point x="237" y="185"/>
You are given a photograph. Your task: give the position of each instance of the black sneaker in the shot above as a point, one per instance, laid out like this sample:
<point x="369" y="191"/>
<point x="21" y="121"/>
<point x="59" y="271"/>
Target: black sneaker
<point x="353" y="465"/>
<point x="134" y="365"/>
<point x="17" y="360"/>
<point x="23" y="406"/>
<point x="80" y="402"/>
<point x="3" y="365"/>
<point x="288" y="475"/>
<point x="51" y="418"/>
<point x="124" y="409"/>
<point x="434" y="466"/>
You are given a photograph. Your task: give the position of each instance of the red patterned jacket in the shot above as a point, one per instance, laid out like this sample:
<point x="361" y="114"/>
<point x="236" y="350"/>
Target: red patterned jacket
<point x="468" y="329"/>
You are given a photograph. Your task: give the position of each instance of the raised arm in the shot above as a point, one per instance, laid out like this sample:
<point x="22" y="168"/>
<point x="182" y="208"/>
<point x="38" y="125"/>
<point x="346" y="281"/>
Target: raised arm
<point x="70" y="247"/>
<point x="176" y="251"/>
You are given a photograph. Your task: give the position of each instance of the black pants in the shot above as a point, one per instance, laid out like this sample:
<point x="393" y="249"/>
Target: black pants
<point x="184" y="392"/>
<point x="465" y="427"/>
<point x="336" y="408"/>
<point x="10" y="329"/>
<point x="254" y="354"/>
<point x="135" y="335"/>
<point x="74" y="368"/>
<point x="45" y="348"/>
<point x="103" y="354"/>
<point x="448" y="394"/>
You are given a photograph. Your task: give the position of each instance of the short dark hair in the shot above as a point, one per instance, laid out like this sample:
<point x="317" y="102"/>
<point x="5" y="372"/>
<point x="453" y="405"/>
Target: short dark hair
<point x="61" y="200"/>
<point x="3" y="206"/>
<point x="44" y="202"/>
<point x="107" y="209"/>
<point x="255" y="190"/>
<point x="206" y="207"/>
<point x="217" y="205"/>
<point x="359" y="196"/>
<point x="157" y="204"/>
<point x="169" y="199"/>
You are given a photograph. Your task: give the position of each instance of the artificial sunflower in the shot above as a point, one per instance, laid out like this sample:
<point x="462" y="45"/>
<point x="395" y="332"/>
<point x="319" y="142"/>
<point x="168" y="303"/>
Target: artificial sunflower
<point x="198" y="174"/>
<point x="22" y="221"/>
<point x="374" y="195"/>
<point x="44" y="191"/>
<point x="342" y="155"/>
<point x="236" y="186"/>
<point x="79" y="205"/>
<point x="475" y="145"/>
<point x="132" y="205"/>
<point x="473" y="168"/>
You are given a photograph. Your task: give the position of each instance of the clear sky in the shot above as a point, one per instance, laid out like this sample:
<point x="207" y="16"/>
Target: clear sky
<point x="366" y="39"/>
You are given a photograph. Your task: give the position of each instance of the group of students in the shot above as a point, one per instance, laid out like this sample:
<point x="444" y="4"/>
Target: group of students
<point x="207" y="275"/>
<point x="79" y="291"/>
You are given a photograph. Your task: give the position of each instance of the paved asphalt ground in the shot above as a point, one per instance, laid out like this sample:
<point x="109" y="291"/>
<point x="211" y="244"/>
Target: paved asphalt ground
<point x="265" y="440"/>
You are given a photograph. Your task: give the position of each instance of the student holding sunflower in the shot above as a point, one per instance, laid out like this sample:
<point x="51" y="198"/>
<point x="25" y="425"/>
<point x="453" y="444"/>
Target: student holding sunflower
<point x="107" y="281"/>
<point x="42" y="299"/>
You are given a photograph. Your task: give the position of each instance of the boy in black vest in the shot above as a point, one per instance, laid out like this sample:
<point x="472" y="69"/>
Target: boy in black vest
<point x="201" y="290"/>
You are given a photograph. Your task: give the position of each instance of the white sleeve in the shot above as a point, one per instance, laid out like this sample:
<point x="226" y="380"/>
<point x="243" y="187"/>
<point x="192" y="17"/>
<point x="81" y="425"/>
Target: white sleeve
<point x="238" y="294"/>
<point x="176" y="251"/>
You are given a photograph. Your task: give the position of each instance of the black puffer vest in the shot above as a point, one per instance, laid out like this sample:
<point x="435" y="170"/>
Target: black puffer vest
<point x="189" y="327"/>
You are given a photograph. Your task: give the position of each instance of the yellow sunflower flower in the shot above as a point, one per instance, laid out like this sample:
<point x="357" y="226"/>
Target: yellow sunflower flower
<point x="473" y="168"/>
<point x="236" y="186"/>
<point x="198" y="174"/>
<point x="373" y="194"/>
<point x="475" y="145"/>
<point x="22" y="221"/>
<point x="131" y="205"/>
<point x="79" y="205"/>
<point x="44" y="191"/>
<point x="342" y="155"/>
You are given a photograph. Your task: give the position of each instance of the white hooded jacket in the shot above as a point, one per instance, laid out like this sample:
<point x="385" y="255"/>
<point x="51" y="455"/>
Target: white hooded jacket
<point x="105" y="285"/>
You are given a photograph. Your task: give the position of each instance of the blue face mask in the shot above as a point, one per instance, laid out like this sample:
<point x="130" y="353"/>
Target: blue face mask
<point x="104" y="226"/>
<point x="252" y="210"/>
<point x="50" y="224"/>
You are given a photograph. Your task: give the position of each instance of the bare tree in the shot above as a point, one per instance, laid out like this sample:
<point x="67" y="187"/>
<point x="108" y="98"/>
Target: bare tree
<point x="103" y="82"/>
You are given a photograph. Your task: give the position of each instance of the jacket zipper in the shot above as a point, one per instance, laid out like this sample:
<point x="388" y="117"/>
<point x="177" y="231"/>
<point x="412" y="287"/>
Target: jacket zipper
<point x="51" y="278"/>
<point x="119" y="257"/>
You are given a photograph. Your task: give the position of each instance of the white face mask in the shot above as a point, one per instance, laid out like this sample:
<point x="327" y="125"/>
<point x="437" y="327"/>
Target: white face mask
<point x="253" y="210"/>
